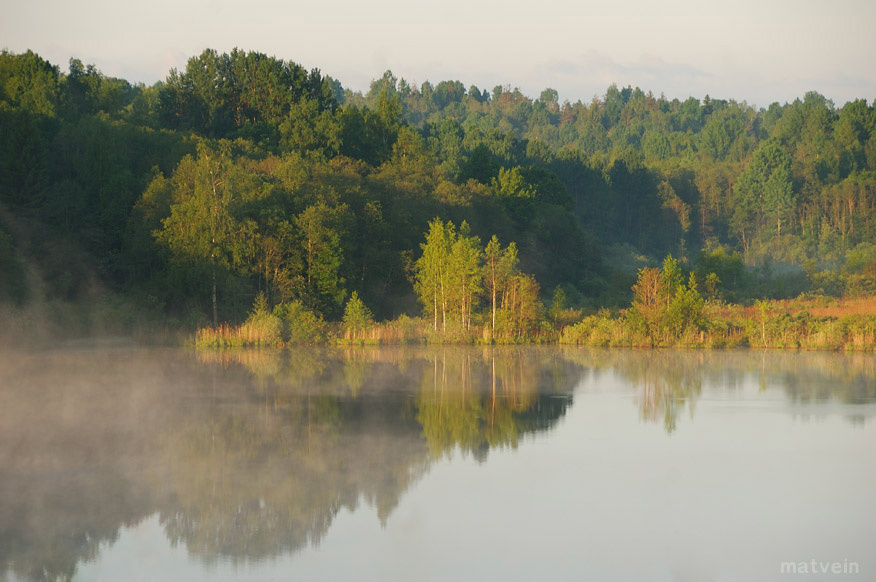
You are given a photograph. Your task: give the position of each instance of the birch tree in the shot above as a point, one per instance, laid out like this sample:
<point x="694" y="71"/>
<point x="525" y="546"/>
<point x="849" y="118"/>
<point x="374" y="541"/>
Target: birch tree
<point x="431" y="282"/>
<point x="202" y="229"/>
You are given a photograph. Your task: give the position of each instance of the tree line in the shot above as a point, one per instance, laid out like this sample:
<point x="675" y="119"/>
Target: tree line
<point x="790" y="183"/>
<point x="245" y="174"/>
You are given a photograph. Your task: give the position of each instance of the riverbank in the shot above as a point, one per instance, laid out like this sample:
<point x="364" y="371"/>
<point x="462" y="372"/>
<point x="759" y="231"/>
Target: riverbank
<point x="808" y="324"/>
<point x="770" y="325"/>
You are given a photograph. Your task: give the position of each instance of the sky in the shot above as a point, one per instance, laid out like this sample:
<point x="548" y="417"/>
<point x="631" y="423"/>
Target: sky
<point x="757" y="51"/>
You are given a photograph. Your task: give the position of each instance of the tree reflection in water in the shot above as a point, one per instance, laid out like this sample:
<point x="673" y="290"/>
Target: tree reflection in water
<point x="670" y="381"/>
<point x="475" y="401"/>
<point x="247" y="455"/>
<point x="323" y="430"/>
<point x="667" y="382"/>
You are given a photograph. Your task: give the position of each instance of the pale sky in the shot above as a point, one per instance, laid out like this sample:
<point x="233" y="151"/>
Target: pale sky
<point x="758" y="51"/>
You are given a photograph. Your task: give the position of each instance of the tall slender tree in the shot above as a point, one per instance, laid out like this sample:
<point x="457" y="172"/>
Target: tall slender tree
<point x="466" y="272"/>
<point x="432" y="281"/>
<point x="202" y="227"/>
<point x="499" y="266"/>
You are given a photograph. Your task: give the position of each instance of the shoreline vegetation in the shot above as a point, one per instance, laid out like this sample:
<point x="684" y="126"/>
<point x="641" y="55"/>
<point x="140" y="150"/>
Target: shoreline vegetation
<point x="664" y="314"/>
<point x="731" y="327"/>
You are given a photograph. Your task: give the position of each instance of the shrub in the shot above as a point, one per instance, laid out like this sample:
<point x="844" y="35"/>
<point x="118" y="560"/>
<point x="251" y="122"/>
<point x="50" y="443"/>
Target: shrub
<point x="302" y="326"/>
<point x="357" y="318"/>
<point x="261" y="328"/>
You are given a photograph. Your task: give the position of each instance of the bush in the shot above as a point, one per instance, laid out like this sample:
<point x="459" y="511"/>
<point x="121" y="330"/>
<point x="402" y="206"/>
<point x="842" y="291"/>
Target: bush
<point x="261" y="328"/>
<point x="860" y="332"/>
<point x="602" y="329"/>
<point x="302" y="326"/>
<point x="357" y="318"/>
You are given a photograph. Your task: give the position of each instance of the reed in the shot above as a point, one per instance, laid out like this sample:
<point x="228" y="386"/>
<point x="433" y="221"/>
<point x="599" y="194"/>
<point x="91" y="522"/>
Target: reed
<point x="261" y="328"/>
<point x="402" y="330"/>
<point x="806" y="323"/>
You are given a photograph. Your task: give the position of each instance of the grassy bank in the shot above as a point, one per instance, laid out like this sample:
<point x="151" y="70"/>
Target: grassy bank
<point x="808" y="324"/>
<point x="821" y="324"/>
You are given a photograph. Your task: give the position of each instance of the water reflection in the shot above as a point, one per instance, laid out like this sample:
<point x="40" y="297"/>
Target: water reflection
<point x="670" y="382"/>
<point x="322" y="430"/>
<point x="244" y="454"/>
<point x="247" y="455"/>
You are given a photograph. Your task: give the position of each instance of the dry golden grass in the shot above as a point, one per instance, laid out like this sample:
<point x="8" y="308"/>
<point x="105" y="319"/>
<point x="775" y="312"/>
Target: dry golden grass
<point x="843" y="307"/>
<point x="819" y="307"/>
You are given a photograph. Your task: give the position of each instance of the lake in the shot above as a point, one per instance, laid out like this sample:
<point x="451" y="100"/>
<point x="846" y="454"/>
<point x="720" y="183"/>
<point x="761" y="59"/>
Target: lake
<point x="458" y="463"/>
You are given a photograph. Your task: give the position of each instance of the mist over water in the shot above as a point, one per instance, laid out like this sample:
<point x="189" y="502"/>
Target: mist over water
<point x="416" y="463"/>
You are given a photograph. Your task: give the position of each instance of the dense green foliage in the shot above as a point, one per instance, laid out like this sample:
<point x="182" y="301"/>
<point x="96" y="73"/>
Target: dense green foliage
<point x="667" y="313"/>
<point x="246" y="174"/>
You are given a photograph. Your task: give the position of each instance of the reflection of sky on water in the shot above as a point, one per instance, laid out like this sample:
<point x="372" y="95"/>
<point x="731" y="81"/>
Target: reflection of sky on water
<point x="605" y="498"/>
<point x="751" y="474"/>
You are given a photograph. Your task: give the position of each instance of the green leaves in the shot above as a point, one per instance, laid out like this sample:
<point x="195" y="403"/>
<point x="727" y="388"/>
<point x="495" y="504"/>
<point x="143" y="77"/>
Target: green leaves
<point x="453" y="275"/>
<point x="664" y="308"/>
<point x="431" y="279"/>
<point x="357" y="317"/>
<point x="449" y="274"/>
<point x="202" y="226"/>
<point x="221" y="95"/>
<point x="764" y="193"/>
<point x="307" y="129"/>
<point x="323" y="255"/>
<point x="30" y="83"/>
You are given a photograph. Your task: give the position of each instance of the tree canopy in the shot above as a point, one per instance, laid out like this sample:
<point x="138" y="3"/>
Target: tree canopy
<point x="245" y="174"/>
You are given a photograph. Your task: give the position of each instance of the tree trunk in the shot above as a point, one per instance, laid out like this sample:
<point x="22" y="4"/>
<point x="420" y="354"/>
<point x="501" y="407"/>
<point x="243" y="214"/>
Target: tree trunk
<point x="215" y="310"/>
<point x="494" y="306"/>
<point x="462" y="308"/>
<point x="435" y="310"/>
<point x="443" y="307"/>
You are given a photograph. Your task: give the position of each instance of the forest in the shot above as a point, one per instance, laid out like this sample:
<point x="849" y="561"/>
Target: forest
<point x="246" y="190"/>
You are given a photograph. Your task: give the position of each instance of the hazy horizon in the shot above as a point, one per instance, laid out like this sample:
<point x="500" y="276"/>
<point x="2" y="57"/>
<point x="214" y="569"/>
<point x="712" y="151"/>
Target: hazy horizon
<point x="754" y="52"/>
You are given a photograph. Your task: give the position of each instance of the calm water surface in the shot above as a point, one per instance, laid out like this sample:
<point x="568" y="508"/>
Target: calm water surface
<point x="437" y="464"/>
